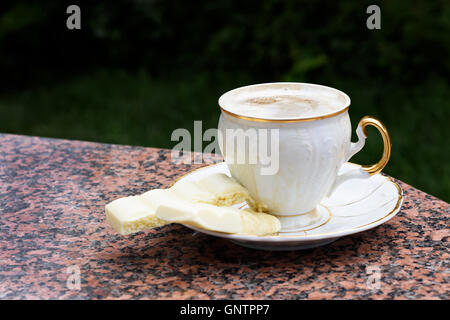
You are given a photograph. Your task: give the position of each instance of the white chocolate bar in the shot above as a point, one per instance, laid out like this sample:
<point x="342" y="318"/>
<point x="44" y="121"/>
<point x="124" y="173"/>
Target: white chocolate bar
<point x="216" y="189"/>
<point x="222" y="219"/>
<point x="137" y="213"/>
<point x="132" y="214"/>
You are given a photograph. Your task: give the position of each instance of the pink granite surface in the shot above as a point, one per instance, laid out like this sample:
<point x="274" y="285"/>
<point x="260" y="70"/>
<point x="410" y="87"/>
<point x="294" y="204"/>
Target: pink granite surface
<point x="52" y="198"/>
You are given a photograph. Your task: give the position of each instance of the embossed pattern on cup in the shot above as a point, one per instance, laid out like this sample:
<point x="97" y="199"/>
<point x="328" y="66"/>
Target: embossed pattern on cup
<point x="310" y="155"/>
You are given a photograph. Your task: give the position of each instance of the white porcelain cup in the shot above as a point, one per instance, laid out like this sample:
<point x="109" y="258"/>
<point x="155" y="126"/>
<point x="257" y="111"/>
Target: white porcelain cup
<point x="312" y="147"/>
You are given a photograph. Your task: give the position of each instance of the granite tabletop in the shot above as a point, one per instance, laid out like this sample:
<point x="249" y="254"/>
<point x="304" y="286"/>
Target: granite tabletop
<point x="55" y="244"/>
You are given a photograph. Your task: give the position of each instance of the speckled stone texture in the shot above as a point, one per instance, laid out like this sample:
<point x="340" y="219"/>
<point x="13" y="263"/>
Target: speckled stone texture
<point x="52" y="198"/>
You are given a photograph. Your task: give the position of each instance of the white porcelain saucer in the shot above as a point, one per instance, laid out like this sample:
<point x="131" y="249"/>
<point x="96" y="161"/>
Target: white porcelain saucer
<point x="356" y="205"/>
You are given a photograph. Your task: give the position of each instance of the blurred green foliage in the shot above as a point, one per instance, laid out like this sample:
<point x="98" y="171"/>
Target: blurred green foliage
<point x="139" y="69"/>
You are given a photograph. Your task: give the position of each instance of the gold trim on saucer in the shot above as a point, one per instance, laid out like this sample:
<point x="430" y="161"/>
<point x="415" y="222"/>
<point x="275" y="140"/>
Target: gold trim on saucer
<point x="397" y="205"/>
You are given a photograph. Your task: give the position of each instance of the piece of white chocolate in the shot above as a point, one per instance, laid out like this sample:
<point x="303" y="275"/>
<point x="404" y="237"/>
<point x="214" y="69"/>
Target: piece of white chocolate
<point x="132" y="214"/>
<point x="222" y="219"/>
<point x="216" y="189"/>
<point x="259" y="223"/>
<point x="205" y="203"/>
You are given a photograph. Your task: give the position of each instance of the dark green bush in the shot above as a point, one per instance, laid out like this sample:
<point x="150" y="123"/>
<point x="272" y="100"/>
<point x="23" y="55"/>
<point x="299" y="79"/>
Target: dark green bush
<point x="139" y="69"/>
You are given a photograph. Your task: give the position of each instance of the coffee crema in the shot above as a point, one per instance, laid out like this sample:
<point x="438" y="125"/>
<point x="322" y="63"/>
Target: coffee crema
<point x="284" y="101"/>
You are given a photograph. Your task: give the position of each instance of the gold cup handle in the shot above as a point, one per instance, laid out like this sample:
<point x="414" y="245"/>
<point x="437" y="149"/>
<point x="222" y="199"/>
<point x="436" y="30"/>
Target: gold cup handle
<point x="355" y="147"/>
<point x="372" y="121"/>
